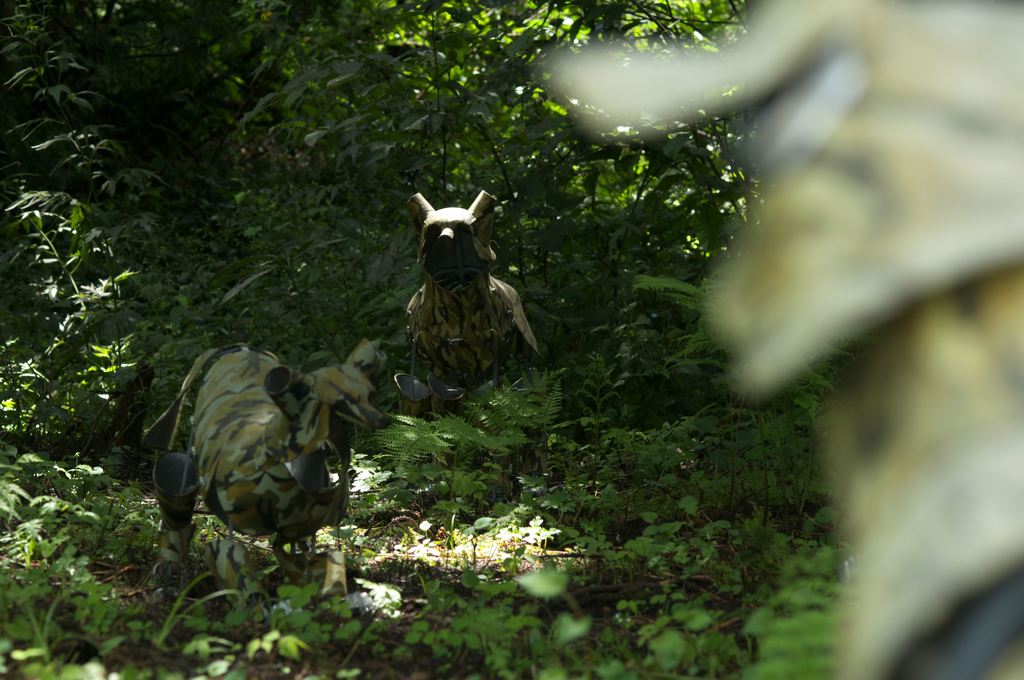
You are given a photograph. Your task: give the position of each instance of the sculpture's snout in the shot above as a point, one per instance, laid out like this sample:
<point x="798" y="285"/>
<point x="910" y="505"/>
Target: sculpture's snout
<point x="452" y="261"/>
<point x="373" y="418"/>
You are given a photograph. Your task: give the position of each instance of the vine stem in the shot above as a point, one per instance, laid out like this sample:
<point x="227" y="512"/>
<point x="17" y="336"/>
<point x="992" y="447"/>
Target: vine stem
<point x="437" y="106"/>
<point x="38" y="223"/>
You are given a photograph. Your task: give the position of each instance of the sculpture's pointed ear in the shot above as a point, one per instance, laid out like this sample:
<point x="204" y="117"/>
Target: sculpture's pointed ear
<point x="483" y="210"/>
<point x="482" y="206"/>
<point x="418" y="208"/>
<point x="366" y="357"/>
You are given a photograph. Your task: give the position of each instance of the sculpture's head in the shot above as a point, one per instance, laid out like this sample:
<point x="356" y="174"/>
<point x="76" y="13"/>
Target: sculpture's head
<point x="454" y="243"/>
<point x="347" y="388"/>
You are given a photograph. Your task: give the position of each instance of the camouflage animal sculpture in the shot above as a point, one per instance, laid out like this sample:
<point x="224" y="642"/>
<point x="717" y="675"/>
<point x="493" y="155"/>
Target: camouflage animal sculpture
<point x="261" y="438"/>
<point x="892" y="135"/>
<point x="463" y="319"/>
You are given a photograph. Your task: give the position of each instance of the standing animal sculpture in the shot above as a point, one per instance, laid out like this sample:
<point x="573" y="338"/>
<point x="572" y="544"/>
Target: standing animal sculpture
<point x="892" y="136"/>
<point x="463" y="319"/>
<point x="261" y="438"/>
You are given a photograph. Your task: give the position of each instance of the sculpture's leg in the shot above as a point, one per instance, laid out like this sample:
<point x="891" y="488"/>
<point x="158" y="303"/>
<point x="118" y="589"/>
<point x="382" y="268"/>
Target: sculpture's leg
<point x="495" y="352"/>
<point x="176" y="484"/>
<point x="413" y="395"/>
<point x="327" y="569"/>
<point x="234" y="569"/>
<point x="444" y="397"/>
<point x="930" y="435"/>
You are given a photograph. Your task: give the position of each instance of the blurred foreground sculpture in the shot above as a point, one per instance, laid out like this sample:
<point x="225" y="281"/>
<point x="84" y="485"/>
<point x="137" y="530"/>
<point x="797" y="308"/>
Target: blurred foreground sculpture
<point x="462" y="320"/>
<point x="891" y="138"/>
<point x="261" y="438"/>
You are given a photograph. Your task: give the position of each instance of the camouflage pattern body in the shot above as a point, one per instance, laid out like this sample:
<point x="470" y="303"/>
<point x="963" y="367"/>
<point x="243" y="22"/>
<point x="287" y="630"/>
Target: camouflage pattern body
<point x="463" y="334"/>
<point x="463" y="320"/>
<point x="262" y="435"/>
<point x="927" y="438"/>
<point x="908" y="194"/>
<point x="907" y="215"/>
<point x="243" y="440"/>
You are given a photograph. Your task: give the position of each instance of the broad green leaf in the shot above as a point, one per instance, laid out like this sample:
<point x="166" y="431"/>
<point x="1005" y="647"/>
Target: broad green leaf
<point x="553" y="673"/>
<point x="568" y="628"/>
<point x="291" y="647"/>
<point x="669" y="649"/>
<point x="544" y="583"/>
<point x="314" y="136"/>
<point x="483" y="524"/>
<point x="688" y="504"/>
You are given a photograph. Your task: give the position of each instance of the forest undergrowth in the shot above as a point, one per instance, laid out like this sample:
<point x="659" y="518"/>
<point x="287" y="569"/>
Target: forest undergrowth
<point x="514" y="552"/>
<point x="178" y="178"/>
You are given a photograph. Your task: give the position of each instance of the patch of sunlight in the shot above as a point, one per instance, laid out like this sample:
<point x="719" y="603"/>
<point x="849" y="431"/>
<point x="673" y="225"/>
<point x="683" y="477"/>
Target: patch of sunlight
<point x="491" y="543"/>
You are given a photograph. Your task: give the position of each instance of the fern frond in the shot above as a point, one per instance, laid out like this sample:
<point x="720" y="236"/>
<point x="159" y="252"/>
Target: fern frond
<point x="411" y="440"/>
<point x="658" y="283"/>
<point x="497" y="423"/>
<point x="535" y="408"/>
<point x="680" y="292"/>
<point x="466" y="437"/>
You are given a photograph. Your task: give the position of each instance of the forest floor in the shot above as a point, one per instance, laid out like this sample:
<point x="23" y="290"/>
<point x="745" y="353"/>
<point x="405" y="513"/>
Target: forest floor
<point x="527" y="593"/>
<point x="182" y="176"/>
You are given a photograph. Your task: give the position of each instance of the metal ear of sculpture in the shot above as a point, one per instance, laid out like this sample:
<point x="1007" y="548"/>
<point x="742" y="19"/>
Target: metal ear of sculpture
<point x="262" y="435"/>
<point x="463" y="320"/>
<point x="482" y="205"/>
<point x="418" y="208"/>
<point x="483" y="210"/>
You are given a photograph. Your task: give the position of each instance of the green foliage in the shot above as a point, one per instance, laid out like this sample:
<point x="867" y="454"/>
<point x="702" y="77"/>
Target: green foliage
<point x="679" y="291"/>
<point x="178" y="177"/>
<point x="497" y="423"/>
<point x="545" y="583"/>
<point x="798" y="625"/>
